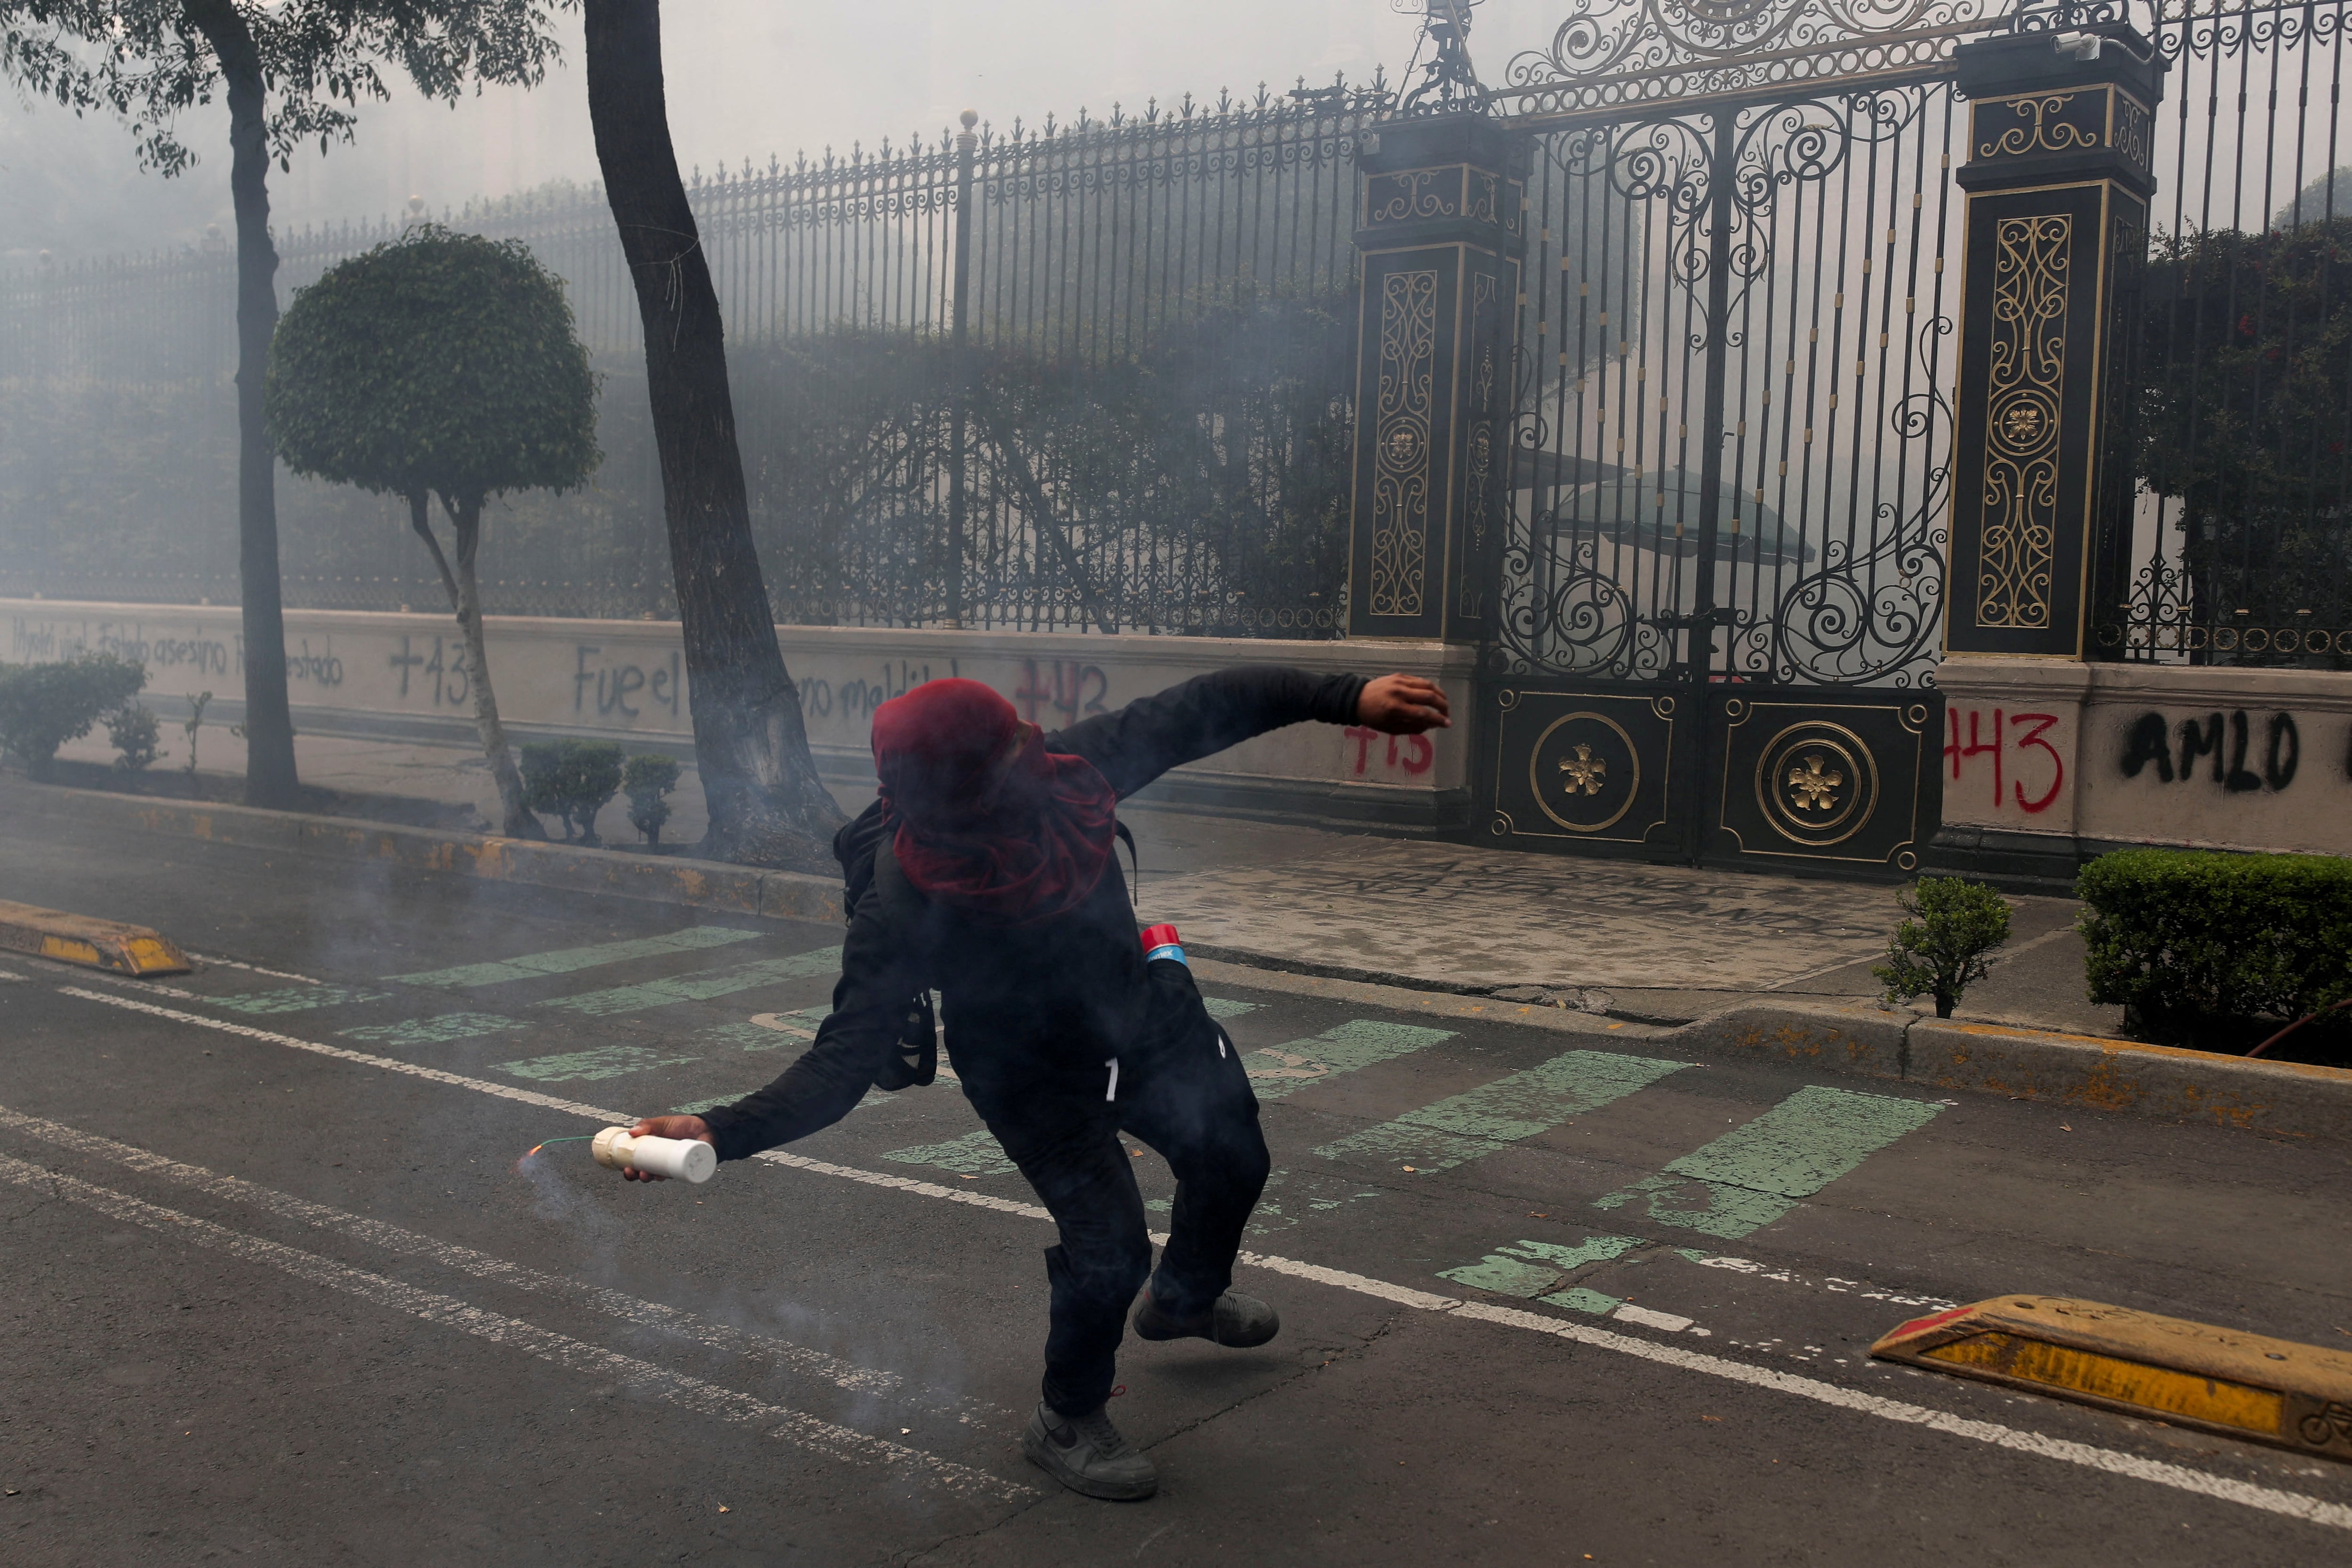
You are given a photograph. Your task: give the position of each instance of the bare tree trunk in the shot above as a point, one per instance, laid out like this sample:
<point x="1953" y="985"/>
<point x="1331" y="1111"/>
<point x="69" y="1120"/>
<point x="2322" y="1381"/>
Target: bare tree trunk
<point x="465" y="598"/>
<point x="767" y="806"/>
<point x="270" y="777"/>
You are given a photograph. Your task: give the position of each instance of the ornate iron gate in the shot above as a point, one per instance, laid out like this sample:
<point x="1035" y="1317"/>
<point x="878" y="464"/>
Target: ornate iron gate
<point x="1722" y="578"/>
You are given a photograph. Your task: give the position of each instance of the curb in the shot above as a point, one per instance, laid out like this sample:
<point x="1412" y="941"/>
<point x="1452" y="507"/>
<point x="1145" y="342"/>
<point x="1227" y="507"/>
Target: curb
<point x="569" y="868"/>
<point x="2078" y="1072"/>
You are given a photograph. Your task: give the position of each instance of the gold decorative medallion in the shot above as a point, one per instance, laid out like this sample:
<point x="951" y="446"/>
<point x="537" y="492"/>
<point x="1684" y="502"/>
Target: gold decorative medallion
<point x="1584" y="771"/>
<point x="1816" y="783"/>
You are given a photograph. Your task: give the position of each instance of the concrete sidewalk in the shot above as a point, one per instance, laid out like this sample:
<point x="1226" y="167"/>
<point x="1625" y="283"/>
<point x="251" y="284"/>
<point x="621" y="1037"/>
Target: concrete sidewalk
<point x="1648" y="943"/>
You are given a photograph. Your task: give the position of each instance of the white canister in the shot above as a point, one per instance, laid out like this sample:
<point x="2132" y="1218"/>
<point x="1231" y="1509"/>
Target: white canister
<point x="688" y="1159"/>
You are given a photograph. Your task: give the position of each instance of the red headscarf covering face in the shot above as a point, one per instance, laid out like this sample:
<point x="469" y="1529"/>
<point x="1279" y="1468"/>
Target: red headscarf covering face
<point x="988" y="819"/>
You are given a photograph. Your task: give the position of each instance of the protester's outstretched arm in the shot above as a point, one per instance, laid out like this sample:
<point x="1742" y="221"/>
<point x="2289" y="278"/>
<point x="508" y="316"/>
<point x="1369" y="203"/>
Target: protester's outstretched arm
<point x="1202" y="717"/>
<point x="856" y="1040"/>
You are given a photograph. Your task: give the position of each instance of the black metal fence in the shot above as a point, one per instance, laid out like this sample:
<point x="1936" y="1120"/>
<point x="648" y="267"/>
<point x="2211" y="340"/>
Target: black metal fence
<point x="1151" y="397"/>
<point x="2241" y="546"/>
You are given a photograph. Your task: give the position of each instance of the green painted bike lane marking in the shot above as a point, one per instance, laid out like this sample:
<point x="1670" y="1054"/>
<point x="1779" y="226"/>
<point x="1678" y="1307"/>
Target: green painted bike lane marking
<point x="295" y="999"/>
<point x="1275" y="1074"/>
<point x="1754" y="1174"/>
<point x="1533" y="1268"/>
<point x="587" y="1066"/>
<point x="702" y="986"/>
<point x="569" y="960"/>
<point x="1492" y="1117"/>
<point x="438" y="1029"/>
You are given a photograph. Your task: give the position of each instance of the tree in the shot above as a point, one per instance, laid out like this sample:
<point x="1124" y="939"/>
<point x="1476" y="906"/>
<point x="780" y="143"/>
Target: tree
<point x="2245" y="412"/>
<point x="767" y="806"/>
<point x="290" y="70"/>
<point x="440" y="364"/>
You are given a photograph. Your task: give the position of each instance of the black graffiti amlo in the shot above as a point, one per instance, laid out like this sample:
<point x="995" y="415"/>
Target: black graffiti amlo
<point x="2151" y="741"/>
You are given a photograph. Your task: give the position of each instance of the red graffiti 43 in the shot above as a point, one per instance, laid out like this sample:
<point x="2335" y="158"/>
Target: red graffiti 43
<point x="2005" y="740"/>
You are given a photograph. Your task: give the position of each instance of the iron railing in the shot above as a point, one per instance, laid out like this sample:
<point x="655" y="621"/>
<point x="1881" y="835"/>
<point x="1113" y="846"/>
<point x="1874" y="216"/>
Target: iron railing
<point x="2241" y="547"/>
<point x="1142" y="426"/>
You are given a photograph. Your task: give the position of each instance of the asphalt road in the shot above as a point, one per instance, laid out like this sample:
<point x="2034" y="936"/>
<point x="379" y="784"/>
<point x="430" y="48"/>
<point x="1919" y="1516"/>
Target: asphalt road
<point x="279" y="1288"/>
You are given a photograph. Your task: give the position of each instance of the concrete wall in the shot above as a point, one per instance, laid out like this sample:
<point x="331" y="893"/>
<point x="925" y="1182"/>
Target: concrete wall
<point x="403" y="677"/>
<point x="2049" y="761"/>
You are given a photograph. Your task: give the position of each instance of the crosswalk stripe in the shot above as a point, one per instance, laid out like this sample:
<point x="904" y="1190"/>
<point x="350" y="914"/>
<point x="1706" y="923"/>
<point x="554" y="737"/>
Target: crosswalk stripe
<point x="567" y="960"/>
<point x="604" y="1062"/>
<point x="292" y="1000"/>
<point x="701" y="986"/>
<point x="1496" y="1116"/>
<point x="1754" y="1174"/>
<point x="438" y="1029"/>
<point x="974" y="1153"/>
<point x="1279" y="1072"/>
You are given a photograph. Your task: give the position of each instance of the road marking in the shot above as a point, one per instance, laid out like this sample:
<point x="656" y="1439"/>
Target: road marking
<point x="209" y="958"/>
<point x="974" y="1153"/>
<point x="568" y="961"/>
<point x="1496" y="1116"/>
<point x="1226" y="1008"/>
<point x="800" y="1025"/>
<point x="12" y="975"/>
<point x="439" y="1030"/>
<point x="2180" y="1477"/>
<point x="1284" y="1069"/>
<point x="1754" y="1174"/>
<point x="1827" y="1283"/>
<point x="1532" y="1267"/>
<point x="677" y="1388"/>
<point x="604" y="1062"/>
<point x="294" y="1000"/>
<point x="844" y="1374"/>
<point x="701" y="986"/>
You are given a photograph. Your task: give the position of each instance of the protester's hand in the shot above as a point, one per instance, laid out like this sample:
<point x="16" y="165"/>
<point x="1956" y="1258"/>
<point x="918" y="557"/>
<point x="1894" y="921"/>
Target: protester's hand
<point x="1402" y="704"/>
<point x="692" y="1128"/>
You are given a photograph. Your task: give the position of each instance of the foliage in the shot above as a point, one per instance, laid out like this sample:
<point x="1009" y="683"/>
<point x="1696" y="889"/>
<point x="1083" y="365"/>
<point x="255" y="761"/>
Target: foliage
<point x="647" y="780"/>
<point x="146" y="60"/>
<point x="2245" y="411"/>
<point x="440" y="362"/>
<point x="2190" y="942"/>
<point x="572" y="780"/>
<point x="1940" y="950"/>
<point x="133" y="732"/>
<point x="42" y="706"/>
<point x="194" y="725"/>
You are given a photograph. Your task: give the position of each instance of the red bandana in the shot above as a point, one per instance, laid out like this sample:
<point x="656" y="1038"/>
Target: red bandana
<point x="988" y="819"/>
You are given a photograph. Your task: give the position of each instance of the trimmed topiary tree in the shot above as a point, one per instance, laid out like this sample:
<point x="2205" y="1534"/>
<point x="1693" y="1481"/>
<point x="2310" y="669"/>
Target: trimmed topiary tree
<point x="1941" y="950"/>
<point x="442" y="365"/>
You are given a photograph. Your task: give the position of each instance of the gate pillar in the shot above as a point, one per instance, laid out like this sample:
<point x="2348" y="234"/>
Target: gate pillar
<point x="1443" y="230"/>
<point x="2058" y="174"/>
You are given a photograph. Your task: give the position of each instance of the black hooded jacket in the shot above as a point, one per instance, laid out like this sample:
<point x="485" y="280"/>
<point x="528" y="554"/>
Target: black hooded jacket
<point x="1019" y="1002"/>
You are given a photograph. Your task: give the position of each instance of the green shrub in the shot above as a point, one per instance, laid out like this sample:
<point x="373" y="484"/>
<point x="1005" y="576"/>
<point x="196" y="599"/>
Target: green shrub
<point x="133" y="732"/>
<point x="2193" y="942"/>
<point x="647" y="781"/>
<point x="42" y="706"/>
<point x="1941" y="950"/>
<point x="572" y="779"/>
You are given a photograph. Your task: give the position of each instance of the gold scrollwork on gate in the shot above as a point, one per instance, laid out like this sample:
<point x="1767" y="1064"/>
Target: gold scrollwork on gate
<point x="1411" y="195"/>
<point x="1401" y="442"/>
<point x="1817" y="782"/>
<point x="2133" y="131"/>
<point x="2046" y="122"/>
<point x="1479" y="491"/>
<point x="2024" y="405"/>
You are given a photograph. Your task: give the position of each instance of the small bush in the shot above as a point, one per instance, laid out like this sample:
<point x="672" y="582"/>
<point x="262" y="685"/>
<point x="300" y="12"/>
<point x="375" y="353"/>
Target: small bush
<point x="42" y="706"/>
<point x="647" y="781"/>
<point x="574" y="780"/>
<point x="1940" y="950"/>
<point x="132" y="731"/>
<point x="2194" y="943"/>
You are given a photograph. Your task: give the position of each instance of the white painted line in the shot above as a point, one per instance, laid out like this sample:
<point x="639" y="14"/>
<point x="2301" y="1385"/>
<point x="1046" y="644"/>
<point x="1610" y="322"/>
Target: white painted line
<point x="254" y="969"/>
<point x="844" y="1374"/>
<point x="10" y="975"/>
<point x="677" y="1388"/>
<point x="2293" y="1505"/>
<point x="778" y="1021"/>
<point x="1829" y="1283"/>
<point x="1644" y="1318"/>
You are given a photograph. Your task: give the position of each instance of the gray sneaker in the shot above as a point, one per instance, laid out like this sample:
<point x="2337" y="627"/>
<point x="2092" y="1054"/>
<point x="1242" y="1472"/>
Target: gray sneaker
<point x="1086" y="1454"/>
<point x="1234" y="1320"/>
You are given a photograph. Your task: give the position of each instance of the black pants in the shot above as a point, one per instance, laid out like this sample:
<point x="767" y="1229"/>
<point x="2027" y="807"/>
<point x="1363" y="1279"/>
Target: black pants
<point x="1183" y="1091"/>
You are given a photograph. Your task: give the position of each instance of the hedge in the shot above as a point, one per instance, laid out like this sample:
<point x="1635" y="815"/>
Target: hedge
<point x="2195" y="943"/>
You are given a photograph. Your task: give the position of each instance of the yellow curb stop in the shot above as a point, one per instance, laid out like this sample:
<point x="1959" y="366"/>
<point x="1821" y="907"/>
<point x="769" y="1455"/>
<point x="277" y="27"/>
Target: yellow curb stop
<point x="2246" y="1385"/>
<point x="79" y="939"/>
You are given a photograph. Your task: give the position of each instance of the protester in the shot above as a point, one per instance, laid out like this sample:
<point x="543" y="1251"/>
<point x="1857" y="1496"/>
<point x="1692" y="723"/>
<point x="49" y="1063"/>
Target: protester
<point x="984" y="872"/>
